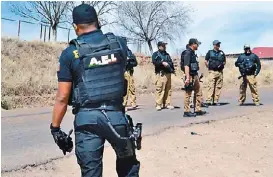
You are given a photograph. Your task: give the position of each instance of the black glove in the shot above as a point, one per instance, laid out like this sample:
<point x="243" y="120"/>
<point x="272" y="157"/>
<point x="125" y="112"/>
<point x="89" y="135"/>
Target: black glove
<point x="63" y="140"/>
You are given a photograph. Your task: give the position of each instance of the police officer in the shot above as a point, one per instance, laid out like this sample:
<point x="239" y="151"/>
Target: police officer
<point x="93" y="66"/>
<point x="163" y="69"/>
<point x="249" y="66"/>
<point x="215" y="61"/>
<point x="190" y="66"/>
<point x="131" y="90"/>
<point x="203" y="104"/>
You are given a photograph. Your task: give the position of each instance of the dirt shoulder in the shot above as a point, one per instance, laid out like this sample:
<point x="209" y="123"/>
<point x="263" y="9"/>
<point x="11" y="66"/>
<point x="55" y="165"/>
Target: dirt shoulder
<point x="240" y="146"/>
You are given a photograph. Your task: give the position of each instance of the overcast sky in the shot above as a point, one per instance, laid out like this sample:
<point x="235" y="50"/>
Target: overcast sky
<point x="233" y="23"/>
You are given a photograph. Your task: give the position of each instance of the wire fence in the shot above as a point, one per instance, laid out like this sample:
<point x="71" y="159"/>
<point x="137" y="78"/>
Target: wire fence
<point x="26" y="30"/>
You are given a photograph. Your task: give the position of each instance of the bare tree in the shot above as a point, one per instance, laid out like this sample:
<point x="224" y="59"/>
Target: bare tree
<point x="153" y="20"/>
<point x="103" y="9"/>
<point x="51" y="13"/>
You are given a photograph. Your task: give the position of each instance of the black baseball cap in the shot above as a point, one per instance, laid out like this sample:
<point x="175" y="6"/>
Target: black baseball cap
<point x="84" y="14"/>
<point x="194" y="41"/>
<point x="215" y="42"/>
<point x="161" y="43"/>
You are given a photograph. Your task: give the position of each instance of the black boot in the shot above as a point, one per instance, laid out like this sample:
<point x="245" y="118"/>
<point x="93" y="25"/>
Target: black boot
<point x="189" y="114"/>
<point x="205" y="105"/>
<point x="200" y="113"/>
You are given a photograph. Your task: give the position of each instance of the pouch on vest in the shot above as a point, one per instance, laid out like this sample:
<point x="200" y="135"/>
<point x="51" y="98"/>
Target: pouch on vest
<point x="216" y="62"/>
<point x="194" y="67"/>
<point x="249" y="65"/>
<point x="102" y="71"/>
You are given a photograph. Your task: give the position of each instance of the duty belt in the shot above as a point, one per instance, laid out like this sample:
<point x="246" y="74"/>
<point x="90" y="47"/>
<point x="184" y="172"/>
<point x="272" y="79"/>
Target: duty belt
<point x="103" y="106"/>
<point x="162" y="72"/>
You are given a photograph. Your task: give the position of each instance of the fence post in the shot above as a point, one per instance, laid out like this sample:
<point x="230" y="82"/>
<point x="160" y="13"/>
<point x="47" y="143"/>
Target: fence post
<point x="19" y="28"/>
<point x="41" y="32"/>
<point x="45" y="34"/>
<point x="68" y="36"/>
<point x="49" y="31"/>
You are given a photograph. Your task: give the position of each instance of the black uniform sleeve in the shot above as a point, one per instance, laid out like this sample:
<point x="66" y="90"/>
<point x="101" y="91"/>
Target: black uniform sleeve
<point x="238" y="61"/>
<point x="64" y="73"/>
<point x="187" y="58"/>
<point x="156" y="59"/>
<point x="132" y="59"/>
<point x="124" y="48"/>
<point x="207" y="56"/>
<point x="225" y="59"/>
<point x="258" y="69"/>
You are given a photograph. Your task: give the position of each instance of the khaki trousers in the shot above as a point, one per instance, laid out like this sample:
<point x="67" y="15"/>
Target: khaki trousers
<point x="163" y="89"/>
<point x="215" y="78"/>
<point x="251" y="81"/>
<point x="188" y="94"/>
<point x="131" y="90"/>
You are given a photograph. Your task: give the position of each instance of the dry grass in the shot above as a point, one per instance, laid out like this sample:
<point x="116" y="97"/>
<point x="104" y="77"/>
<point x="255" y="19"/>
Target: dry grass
<point x="29" y="73"/>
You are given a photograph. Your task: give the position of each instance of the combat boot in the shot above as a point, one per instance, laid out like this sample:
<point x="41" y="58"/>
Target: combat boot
<point x="241" y="104"/>
<point x="217" y="104"/>
<point x="200" y="113"/>
<point x="189" y="114"/>
<point x="257" y="104"/>
<point x="170" y="107"/>
<point x="205" y="105"/>
<point x="158" y="108"/>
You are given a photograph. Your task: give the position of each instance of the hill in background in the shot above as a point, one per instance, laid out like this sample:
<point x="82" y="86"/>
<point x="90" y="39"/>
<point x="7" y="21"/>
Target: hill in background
<point x="29" y="73"/>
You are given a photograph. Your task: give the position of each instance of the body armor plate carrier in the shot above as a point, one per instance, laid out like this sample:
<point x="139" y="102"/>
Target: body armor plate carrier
<point x="247" y="65"/>
<point x="101" y="68"/>
<point x="216" y="61"/>
<point x="194" y="65"/>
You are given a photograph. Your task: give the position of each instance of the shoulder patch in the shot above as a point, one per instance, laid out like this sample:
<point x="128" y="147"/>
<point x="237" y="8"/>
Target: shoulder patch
<point x="76" y="54"/>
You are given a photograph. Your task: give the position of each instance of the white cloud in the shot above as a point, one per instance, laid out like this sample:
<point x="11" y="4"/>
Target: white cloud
<point x="265" y="40"/>
<point x="231" y="22"/>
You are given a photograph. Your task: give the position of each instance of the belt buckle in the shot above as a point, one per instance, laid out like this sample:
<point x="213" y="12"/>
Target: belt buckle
<point x="161" y="73"/>
<point x="103" y="105"/>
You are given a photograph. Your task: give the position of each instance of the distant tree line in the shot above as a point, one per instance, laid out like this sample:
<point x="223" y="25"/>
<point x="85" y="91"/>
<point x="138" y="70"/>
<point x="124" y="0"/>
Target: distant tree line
<point x="146" y="21"/>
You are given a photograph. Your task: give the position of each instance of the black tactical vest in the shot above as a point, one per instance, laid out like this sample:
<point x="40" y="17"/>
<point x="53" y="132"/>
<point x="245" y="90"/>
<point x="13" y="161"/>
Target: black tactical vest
<point x="216" y="60"/>
<point x="102" y="67"/>
<point x="194" y="65"/>
<point x="247" y="64"/>
<point x="166" y="58"/>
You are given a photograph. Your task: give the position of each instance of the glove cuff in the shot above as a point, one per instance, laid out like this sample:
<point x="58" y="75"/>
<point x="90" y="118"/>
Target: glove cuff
<point x="54" y="129"/>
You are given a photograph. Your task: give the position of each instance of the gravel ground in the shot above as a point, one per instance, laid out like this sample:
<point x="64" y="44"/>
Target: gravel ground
<point x="240" y="146"/>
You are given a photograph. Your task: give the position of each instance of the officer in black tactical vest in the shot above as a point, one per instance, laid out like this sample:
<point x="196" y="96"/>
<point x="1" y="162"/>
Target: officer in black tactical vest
<point x="93" y="66"/>
<point x="131" y="90"/>
<point x="215" y="61"/>
<point x="163" y="69"/>
<point x="190" y="66"/>
<point x="249" y="66"/>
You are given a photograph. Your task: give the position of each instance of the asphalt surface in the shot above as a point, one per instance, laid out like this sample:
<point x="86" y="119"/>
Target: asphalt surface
<point x="26" y="138"/>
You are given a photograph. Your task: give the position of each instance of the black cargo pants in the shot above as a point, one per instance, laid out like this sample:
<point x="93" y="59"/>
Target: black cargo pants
<point x="90" y="139"/>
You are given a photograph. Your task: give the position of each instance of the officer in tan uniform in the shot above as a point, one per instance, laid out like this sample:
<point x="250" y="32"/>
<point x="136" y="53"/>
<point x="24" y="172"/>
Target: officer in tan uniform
<point x="128" y="75"/>
<point x="163" y="69"/>
<point x="190" y="66"/>
<point x="215" y="61"/>
<point x="249" y="66"/>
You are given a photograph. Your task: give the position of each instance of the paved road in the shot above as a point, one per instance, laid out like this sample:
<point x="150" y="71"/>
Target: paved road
<point x="26" y="139"/>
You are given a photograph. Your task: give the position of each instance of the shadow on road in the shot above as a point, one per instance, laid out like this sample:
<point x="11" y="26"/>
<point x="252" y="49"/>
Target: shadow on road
<point x="221" y="104"/>
<point x="250" y="104"/>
